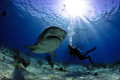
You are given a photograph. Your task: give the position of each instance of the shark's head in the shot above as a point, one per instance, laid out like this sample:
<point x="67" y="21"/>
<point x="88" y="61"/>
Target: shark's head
<point x="49" y="40"/>
<point x="55" y="32"/>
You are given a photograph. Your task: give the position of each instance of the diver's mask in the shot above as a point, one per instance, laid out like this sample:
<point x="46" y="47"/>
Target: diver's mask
<point x="70" y="46"/>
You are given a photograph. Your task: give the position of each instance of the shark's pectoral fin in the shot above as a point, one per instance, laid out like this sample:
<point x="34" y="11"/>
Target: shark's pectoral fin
<point x="32" y="46"/>
<point x="53" y="53"/>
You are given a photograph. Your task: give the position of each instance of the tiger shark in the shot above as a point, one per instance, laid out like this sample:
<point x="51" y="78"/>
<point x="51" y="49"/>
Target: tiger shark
<point x="48" y="41"/>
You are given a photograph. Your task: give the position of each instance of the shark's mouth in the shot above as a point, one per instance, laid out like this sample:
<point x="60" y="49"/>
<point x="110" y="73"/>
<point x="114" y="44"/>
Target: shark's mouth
<point x="53" y="37"/>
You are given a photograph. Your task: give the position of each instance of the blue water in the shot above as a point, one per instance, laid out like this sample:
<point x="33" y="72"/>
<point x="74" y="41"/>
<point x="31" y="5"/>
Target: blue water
<point x="25" y="20"/>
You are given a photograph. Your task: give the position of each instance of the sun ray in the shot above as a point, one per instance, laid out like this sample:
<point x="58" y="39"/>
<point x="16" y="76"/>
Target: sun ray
<point x="76" y="7"/>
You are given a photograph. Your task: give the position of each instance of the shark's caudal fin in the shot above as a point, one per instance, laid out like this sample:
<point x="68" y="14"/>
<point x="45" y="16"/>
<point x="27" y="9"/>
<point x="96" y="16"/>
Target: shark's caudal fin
<point x="31" y="46"/>
<point x="53" y="53"/>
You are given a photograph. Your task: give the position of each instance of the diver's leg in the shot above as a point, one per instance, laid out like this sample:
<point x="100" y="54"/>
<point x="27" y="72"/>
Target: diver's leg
<point x="86" y="53"/>
<point x="89" y="59"/>
<point x="89" y="51"/>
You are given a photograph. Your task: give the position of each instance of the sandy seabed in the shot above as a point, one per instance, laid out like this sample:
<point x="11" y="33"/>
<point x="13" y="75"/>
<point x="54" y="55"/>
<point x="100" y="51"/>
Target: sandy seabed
<point x="9" y="71"/>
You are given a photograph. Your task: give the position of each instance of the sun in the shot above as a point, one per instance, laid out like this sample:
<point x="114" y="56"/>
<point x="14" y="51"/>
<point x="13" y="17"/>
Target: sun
<point x="75" y="7"/>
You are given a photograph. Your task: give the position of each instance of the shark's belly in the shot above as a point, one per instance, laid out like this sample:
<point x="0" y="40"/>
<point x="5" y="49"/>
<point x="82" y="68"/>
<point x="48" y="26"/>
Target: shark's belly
<point x="48" y="45"/>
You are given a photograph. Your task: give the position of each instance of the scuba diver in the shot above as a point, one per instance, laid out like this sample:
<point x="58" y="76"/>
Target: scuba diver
<point x="77" y="52"/>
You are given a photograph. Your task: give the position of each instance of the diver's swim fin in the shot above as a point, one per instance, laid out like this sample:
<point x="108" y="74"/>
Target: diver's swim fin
<point x="92" y="49"/>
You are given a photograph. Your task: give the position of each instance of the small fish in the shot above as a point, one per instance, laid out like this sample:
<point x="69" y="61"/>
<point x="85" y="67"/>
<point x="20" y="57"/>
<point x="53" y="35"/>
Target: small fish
<point x="90" y="38"/>
<point x="108" y="14"/>
<point x="64" y="7"/>
<point x="109" y="21"/>
<point x="113" y="1"/>
<point x="3" y="13"/>
<point x="105" y="5"/>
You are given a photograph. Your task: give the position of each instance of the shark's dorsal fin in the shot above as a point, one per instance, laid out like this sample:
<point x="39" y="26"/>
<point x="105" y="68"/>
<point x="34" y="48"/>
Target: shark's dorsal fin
<point x="53" y="53"/>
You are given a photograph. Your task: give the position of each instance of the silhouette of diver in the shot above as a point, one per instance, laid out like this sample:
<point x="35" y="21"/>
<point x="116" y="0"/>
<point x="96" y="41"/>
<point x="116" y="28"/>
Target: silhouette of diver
<point x="75" y="51"/>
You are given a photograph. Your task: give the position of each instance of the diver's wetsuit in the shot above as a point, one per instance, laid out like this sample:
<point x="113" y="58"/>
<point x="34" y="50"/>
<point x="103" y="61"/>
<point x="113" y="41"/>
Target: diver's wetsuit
<point x="75" y="51"/>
